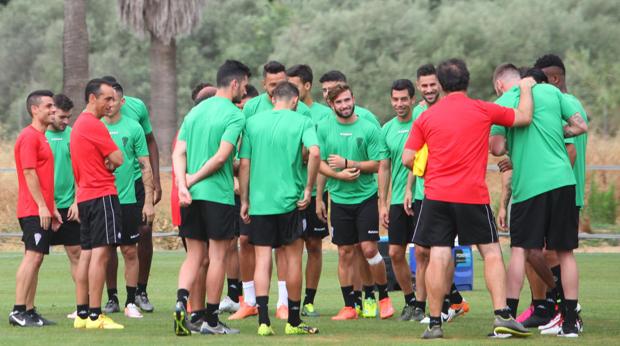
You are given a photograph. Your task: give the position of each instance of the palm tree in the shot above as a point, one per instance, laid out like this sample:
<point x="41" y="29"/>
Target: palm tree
<point x="162" y="21"/>
<point x="75" y="52"/>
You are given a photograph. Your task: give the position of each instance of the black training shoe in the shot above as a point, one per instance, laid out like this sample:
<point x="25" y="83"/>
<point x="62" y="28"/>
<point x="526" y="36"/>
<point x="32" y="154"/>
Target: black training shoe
<point x="535" y="321"/>
<point x="22" y="319"/>
<point x="36" y="316"/>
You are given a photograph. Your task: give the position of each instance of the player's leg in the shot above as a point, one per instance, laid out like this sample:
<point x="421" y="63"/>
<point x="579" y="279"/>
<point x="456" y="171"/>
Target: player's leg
<point x="345" y="237"/>
<point x="145" y="252"/>
<point x="113" y="304"/>
<point x="281" y="267"/>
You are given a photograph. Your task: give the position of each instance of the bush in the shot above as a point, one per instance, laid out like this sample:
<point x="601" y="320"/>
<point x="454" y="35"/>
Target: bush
<point x="602" y="204"/>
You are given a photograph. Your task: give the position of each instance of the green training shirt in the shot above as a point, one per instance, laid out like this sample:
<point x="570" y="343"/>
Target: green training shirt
<point x="263" y="103"/>
<point x="135" y="109"/>
<point x="358" y="141"/>
<point x="205" y="126"/>
<point x="538" y="153"/>
<point x="394" y="135"/>
<point x="581" y="143"/>
<point x="64" y="182"/>
<point x="419" y="181"/>
<point x="273" y="141"/>
<point x="319" y="112"/>
<point x="129" y="138"/>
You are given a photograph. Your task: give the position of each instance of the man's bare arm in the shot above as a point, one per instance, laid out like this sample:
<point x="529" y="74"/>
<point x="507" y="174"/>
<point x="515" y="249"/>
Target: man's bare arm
<point x="148" y="211"/>
<point x="385" y="172"/>
<point x="154" y="162"/>
<point x="213" y="164"/>
<point x="576" y="126"/>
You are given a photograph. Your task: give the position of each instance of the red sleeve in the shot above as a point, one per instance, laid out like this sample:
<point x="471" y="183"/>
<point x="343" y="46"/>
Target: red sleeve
<point x="28" y="152"/>
<point x="416" y="137"/>
<point x="500" y="115"/>
<point x="100" y="137"/>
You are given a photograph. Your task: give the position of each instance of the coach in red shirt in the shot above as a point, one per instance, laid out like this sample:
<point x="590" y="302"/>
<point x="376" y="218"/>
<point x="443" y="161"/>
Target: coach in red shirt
<point x="456" y="130"/>
<point x="94" y="158"/>
<point x="36" y="210"/>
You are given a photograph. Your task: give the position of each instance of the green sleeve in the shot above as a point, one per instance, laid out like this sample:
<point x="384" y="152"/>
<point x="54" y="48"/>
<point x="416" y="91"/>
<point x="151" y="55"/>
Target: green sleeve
<point x="383" y="137"/>
<point x="568" y="108"/>
<point x="185" y="125"/>
<point x="376" y="148"/>
<point x="141" y="148"/>
<point x="145" y="120"/>
<point x="249" y="108"/>
<point x="497" y="130"/>
<point x="309" y="137"/>
<point x="246" y="148"/>
<point x="233" y="128"/>
<point x="320" y="131"/>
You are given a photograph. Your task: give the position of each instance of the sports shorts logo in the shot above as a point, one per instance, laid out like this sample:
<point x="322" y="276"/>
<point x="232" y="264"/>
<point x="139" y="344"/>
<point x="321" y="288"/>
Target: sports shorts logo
<point x="37" y="238"/>
<point x="373" y="231"/>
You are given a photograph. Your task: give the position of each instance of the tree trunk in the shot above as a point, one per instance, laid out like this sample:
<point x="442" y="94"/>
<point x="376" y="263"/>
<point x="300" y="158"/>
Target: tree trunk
<point x="163" y="103"/>
<point x="75" y="53"/>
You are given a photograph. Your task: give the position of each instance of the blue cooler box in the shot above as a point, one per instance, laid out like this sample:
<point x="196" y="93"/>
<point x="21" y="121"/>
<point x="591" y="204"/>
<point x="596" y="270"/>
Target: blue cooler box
<point x="464" y="270"/>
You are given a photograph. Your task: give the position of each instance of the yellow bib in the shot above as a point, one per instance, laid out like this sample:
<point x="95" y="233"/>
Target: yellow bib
<point x="419" y="163"/>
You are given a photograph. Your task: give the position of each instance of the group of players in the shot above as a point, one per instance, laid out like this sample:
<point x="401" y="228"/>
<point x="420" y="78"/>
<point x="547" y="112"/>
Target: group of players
<point x="258" y="171"/>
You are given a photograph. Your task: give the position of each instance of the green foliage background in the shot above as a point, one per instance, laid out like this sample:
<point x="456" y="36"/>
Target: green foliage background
<point x="373" y="42"/>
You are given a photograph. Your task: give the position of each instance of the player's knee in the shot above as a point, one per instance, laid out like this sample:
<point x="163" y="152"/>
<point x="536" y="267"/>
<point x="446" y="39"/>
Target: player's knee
<point x="375" y="259"/>
<point x="130" y="253"/>
<point x="396" y="253"/>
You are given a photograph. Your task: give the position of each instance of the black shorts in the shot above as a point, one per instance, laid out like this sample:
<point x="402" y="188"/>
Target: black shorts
<point x="140" y="196"/>
<point x="276" y="230"/>
<point x="419" y="238"/>
<point x="101" y="222"/>
<point x="240" y="227"/>
<point x="440" y="223"/>
<point x="355" y="223"/>
<point x="204" y="220"/>
<point x="34" y="237"/>
<point x="400" y="228"/>
<point x="131" y="220"/>
<point x="314" y="227"/>
<point x="549" y="220"/>
<point x="69" y="232"/>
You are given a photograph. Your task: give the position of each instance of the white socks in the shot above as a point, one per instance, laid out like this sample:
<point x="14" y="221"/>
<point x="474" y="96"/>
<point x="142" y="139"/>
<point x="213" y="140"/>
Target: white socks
<point x="282" y="294"/>
<point x="249" y="294"/>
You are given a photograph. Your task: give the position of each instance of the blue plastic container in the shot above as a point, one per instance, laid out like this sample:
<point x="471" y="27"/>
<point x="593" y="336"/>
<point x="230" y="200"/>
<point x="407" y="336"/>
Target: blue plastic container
<point x="464" y="266"/>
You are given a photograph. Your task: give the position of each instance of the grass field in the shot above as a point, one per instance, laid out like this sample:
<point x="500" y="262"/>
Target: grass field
<point x="600" y="285"/>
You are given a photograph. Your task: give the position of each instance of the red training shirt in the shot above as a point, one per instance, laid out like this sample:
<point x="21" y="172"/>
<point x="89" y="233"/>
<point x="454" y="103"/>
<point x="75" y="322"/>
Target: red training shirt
<point x="456" y="130"/>
<point x="90" y="145"/>
<point x="32" y="151"/>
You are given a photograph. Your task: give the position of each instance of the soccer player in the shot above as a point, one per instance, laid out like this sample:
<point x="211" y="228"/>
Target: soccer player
<point x="94" y="157"/>
<point x="543" y="212"/>
<point x="129" y="137"/>
<point x="301" y="76"/>
<point x="456" y="196"/>
<point x="36" y="209"/>
<point x="135" y="109"/>
<point x="273" y="192"/>
<point x="396" y="214"/>
<point x="453" y="304"/>
<point x="58" y="134"/>
<point x="203" y="168"/>
<point x="203" y="91"/>
<point x="352" y="149"/>
<point x="250" y="93"/>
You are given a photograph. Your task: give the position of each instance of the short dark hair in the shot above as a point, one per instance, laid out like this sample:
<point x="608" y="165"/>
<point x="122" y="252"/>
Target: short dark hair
<point x="304" y="72"/>
<point x="63" y="102"/>
<point x="333" y="76"/>
<point x="110" y="79"/>
<point x="549" y="60"/>
<point x="118" y="88"/>
<point x="285" y="90"/>
<point x="453" y="75"/>
<point x="536" y="73"/>
<point x="403" y="84"/>
<point x="94" y="87"/>
<point x="426" y="70"/>
<point x="337" y="90"/>
<point x="273" y="67"/>
<point x="231" y="70"/>
<point x="505" y="69"/>
<point x="199" y="87"/>
<point x="34" y="98"/>
<point x="250" y="91"/>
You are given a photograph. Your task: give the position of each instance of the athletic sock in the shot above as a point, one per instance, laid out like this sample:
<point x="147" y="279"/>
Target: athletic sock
<point x="183" y="296"/>
<point x="263" y="312"/>
<point x="211" y="314"/>
<point x="434" y="321"/>
<point x="559" y="290"/>
<point x="233" y="290"/>
<point x="19" y="308"/>
<point x="309" y="298"/>
<point x="293" y="313"/>
<point x="455" y="295"/>
<point x="513" y="304"/>
<point x="82" y="311"/>
<point x="570" y="311"/>
<point x="503" y="313"/>
<point x="410" y="299"/>
<point x="383" y="291"/>
<point x="550" y="302"/>
<point x="357" y="298"/>
<point x="369" y="292"/>
<point x="446" y="304"/>
<point x="131" y="295"/>
<point x="113" y="294"/>
<point x="141" y="288"/>
<point x="420" y="304"/>
<point x="348" y="296"/>
<point x="94" y="313"/>
<point x="30" y="312"/>
<point x="540" y="307"/>
<point x="249" y="294"/>
<point x="196" y="315"/>
<point x="282" y="294"/>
